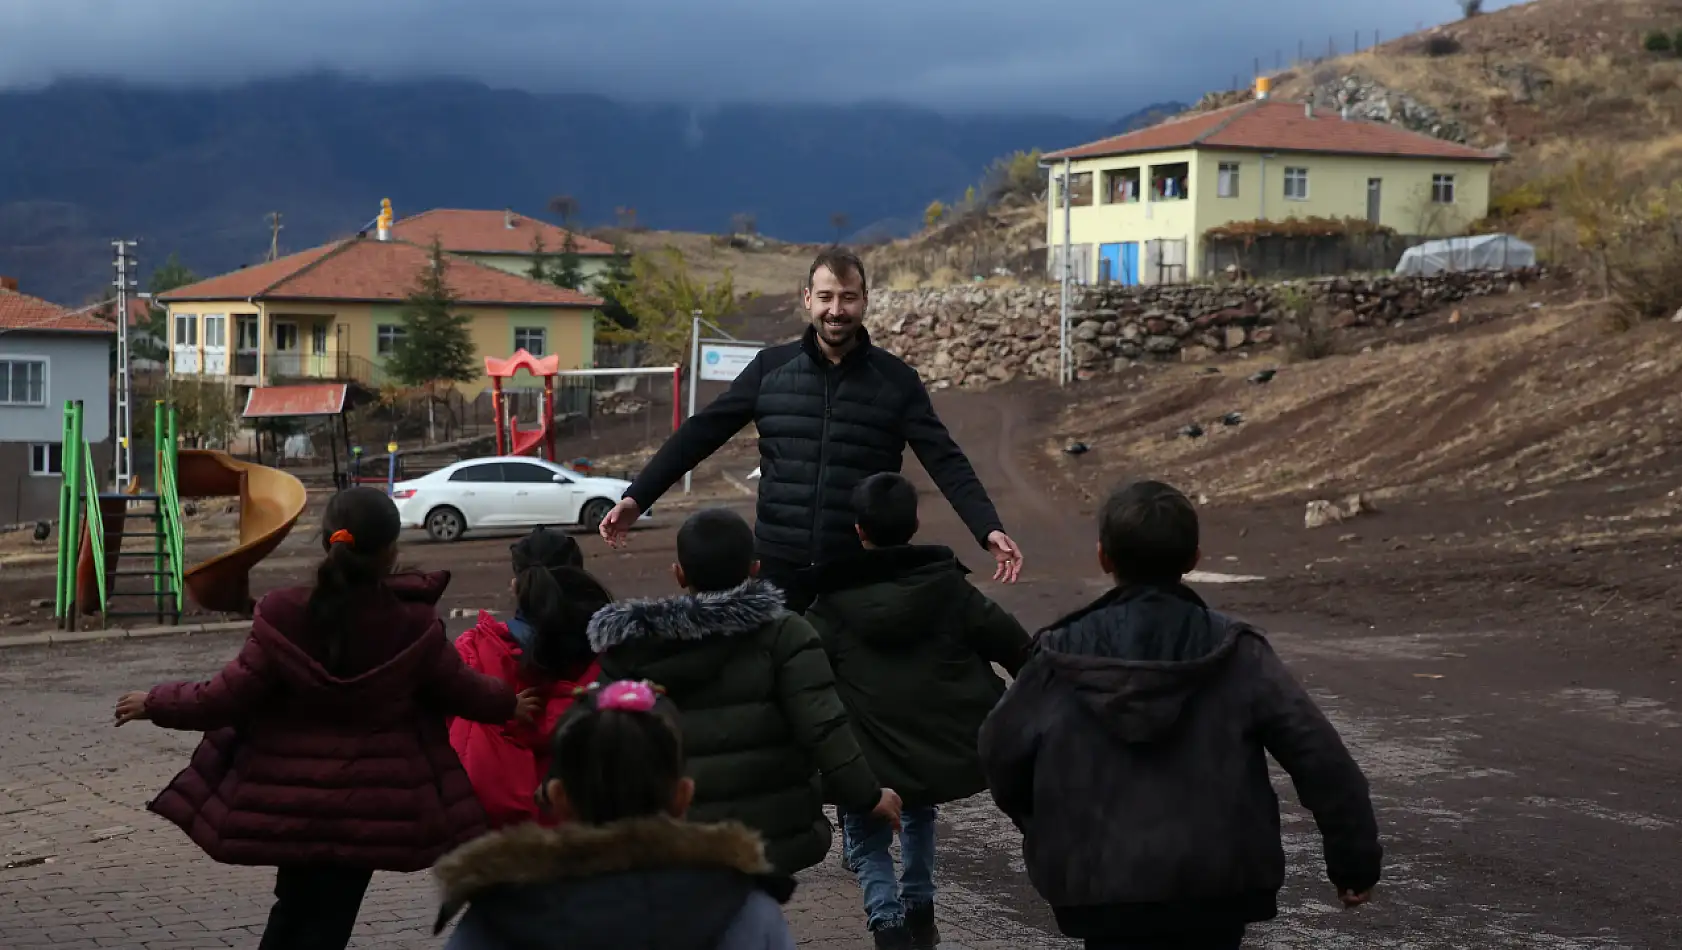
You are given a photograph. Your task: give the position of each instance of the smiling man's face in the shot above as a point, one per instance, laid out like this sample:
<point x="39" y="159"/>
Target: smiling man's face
<point x="837" y="306"/>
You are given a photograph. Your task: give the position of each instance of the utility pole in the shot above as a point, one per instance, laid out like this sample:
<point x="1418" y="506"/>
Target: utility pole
<point x="274" y="235"/>
<point x="126" y="268"/>
<point x="694" y="371"/>
<point x="1063" y="368"/>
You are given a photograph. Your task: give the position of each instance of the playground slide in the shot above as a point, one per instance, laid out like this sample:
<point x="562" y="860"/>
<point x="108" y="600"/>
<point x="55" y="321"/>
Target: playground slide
<point x="526" y="442"/>
<point x="270" y="503"/>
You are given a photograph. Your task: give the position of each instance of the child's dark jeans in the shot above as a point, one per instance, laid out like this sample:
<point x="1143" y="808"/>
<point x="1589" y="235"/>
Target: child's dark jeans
<point x="865" y="840"/>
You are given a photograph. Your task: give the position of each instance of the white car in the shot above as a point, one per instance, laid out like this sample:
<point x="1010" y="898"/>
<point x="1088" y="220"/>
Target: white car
<point x="505" y="492"/>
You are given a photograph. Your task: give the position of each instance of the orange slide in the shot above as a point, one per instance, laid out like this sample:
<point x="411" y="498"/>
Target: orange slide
<point x="270" y="503"/>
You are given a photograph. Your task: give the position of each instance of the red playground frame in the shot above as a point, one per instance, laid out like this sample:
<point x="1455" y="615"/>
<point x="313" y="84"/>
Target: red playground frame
<point x="509" y="439"/>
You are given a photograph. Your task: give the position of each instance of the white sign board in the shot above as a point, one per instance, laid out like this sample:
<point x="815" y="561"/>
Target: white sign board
<point x="723" y="362"/>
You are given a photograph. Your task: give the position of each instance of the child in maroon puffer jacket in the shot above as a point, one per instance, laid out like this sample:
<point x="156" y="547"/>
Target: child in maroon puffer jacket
<point x="545" y="647"/>
<point x="325" y="752"/>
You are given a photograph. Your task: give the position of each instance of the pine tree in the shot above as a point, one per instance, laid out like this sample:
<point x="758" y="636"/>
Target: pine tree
<point x="614" y="287"/>
<point x="540" y="266"/>
<point x="436" y="346"/>
<point x="569" y="270"/>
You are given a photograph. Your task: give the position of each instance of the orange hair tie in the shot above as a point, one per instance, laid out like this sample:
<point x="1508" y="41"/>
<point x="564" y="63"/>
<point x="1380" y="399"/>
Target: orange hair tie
<point x="341" y="536"/>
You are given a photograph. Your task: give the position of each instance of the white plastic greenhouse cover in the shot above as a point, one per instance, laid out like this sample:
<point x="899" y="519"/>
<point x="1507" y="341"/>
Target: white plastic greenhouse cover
<point x="1480" y="252"/>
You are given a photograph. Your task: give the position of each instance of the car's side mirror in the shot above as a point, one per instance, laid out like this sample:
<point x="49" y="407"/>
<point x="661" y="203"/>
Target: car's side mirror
<point x="560" y="479"/>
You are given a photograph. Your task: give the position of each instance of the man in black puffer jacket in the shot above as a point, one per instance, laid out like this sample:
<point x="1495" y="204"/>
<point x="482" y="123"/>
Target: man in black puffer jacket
<point x="1132" y="752"/>
<point x="831" y="410"/>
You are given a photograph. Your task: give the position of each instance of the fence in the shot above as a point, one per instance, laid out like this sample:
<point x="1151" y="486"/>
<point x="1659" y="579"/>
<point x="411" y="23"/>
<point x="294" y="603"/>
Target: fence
<point x="1291" y="256"/>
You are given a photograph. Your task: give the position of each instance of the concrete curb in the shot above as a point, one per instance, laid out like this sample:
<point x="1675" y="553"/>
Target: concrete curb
<point x="53" y="638"/>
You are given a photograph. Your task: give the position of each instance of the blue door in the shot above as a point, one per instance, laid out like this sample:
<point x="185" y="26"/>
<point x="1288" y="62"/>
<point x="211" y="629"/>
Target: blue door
<point x="1130" y="264"/>
<point x="1109" y="263"/>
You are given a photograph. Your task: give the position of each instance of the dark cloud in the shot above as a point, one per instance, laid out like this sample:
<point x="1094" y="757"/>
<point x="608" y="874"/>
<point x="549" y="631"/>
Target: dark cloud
<point x="1094" y="57"/>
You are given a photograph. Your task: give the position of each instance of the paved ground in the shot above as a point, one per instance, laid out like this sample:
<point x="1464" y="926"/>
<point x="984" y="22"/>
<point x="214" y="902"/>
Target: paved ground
<point x="1530" y="795"/>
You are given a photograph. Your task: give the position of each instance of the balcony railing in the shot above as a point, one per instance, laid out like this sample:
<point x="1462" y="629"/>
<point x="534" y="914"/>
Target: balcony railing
<point x="297" y="367"/>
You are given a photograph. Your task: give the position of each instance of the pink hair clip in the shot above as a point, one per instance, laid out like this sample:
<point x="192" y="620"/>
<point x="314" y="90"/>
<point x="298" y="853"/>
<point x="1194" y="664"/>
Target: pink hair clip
<point x="628" y="695"/>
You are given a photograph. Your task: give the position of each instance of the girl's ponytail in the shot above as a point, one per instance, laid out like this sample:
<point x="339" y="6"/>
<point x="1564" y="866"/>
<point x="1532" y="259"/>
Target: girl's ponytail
<point x="557" y="598"/>
<point x="359" y="530"/>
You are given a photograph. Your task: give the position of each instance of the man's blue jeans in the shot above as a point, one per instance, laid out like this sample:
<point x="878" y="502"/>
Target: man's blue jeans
<point x="865" y="840"/>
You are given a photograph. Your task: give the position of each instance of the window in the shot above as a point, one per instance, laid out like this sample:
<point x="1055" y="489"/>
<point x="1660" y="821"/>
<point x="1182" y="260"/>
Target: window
<point x="246" y="329"/>
<point x="1227" y="183"/>
<point x="318" y="339"/>
<point x="186" y="329"/>
<point x="491" y="472"/>
<point x="386" y="336"/>
<point x="23" y="382"/>
<point x="530" y="339"/>
<point x="46" y="458"/>
<point x="286" y="337"/>
<point x="1080" y="189"/>
<point x="1171" y="182"/>
<point x="1296" y="184"/>
<point x="1442" y="189"/>
<point x="525" y="473"/>
<point x="1121" y="186"/>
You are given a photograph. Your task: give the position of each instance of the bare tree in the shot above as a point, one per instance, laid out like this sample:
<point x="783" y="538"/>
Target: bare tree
<point x="564" y="207"/>
<point x="838" y="221"/>
<point x="744" y="222"/>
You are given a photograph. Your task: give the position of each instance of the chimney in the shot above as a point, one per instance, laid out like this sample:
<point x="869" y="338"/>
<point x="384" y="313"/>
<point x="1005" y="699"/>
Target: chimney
<point x="508" y="218"/>
<point x="1264" y="85"/>
<point x="9" y="283"/>
<point x="1308" y="110"/>
<point x="384" y="232"/>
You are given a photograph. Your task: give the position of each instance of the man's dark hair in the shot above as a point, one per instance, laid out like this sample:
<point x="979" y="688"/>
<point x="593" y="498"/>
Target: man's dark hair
<point x="1148" y="530"/>
<point x="840" y="262"/>
<point x="885" y="505"/>
<point x="715" y="549"/>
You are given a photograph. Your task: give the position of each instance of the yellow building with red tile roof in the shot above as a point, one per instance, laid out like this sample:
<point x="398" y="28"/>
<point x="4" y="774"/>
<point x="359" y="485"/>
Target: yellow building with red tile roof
<point x="336" y="312"/>
<point x="1140" y="203"/>
<point x="503" y="239"/>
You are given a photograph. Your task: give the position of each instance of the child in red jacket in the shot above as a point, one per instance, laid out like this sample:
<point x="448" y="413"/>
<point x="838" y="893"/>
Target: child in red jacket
<point x="543" y="648"/>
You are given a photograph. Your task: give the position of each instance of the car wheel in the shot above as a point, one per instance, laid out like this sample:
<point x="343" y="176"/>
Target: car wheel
<point x="594" y="511"/>
<point x="445" y="524"/>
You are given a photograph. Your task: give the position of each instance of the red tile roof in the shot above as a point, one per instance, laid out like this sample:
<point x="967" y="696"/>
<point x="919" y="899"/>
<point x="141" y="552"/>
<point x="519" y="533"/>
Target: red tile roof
<point x="23" y="312"/>
<point x="1273" y="125"/>
<point x="374" y="271"/>
<point x="487" y="232"/>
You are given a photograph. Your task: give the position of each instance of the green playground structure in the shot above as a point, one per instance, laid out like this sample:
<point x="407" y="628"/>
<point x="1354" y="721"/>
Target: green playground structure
<point x="93" y="526"/>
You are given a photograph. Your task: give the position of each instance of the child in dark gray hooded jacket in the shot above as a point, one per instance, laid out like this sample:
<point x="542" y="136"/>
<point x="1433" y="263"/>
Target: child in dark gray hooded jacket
<point x="624" y="871"/>
<point x="1132" y="752"/>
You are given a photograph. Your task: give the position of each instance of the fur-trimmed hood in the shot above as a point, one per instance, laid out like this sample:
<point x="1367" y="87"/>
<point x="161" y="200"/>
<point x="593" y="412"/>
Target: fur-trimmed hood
<point x="606" y="885"/>
<point x="688" y="617"/>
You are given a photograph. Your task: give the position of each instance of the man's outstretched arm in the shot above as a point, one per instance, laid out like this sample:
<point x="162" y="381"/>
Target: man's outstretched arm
<point x="947" y="465"/>
<point x="699" y="437"/>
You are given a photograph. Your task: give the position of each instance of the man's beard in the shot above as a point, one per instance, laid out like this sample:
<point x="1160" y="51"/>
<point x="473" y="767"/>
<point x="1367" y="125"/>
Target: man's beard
<point x="837" y="336"/>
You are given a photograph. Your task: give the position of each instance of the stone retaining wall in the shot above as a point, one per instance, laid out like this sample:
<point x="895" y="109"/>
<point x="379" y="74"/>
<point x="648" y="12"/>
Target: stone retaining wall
<point x="977" y="336"/>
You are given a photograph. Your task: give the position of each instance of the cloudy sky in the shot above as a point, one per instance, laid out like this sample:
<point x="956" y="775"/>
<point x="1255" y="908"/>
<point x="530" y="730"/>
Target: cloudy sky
<point x="1085" y="57"/>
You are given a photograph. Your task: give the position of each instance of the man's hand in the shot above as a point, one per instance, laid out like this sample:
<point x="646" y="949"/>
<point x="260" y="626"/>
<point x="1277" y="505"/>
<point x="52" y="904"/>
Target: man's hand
<point x="888" y="807"/>
<point x="131" y="706"/>
<point x="529" y="706"/>
<point x="1006" y="553"/>
<point x="1352" y="899"/>
<point x="618" y="522"/>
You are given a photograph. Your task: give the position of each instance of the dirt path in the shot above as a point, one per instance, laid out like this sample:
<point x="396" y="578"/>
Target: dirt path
<point x="1519" y="723"/>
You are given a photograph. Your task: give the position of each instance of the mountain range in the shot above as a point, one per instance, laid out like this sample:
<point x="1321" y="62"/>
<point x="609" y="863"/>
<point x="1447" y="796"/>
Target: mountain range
<point x="196" y="172"/>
